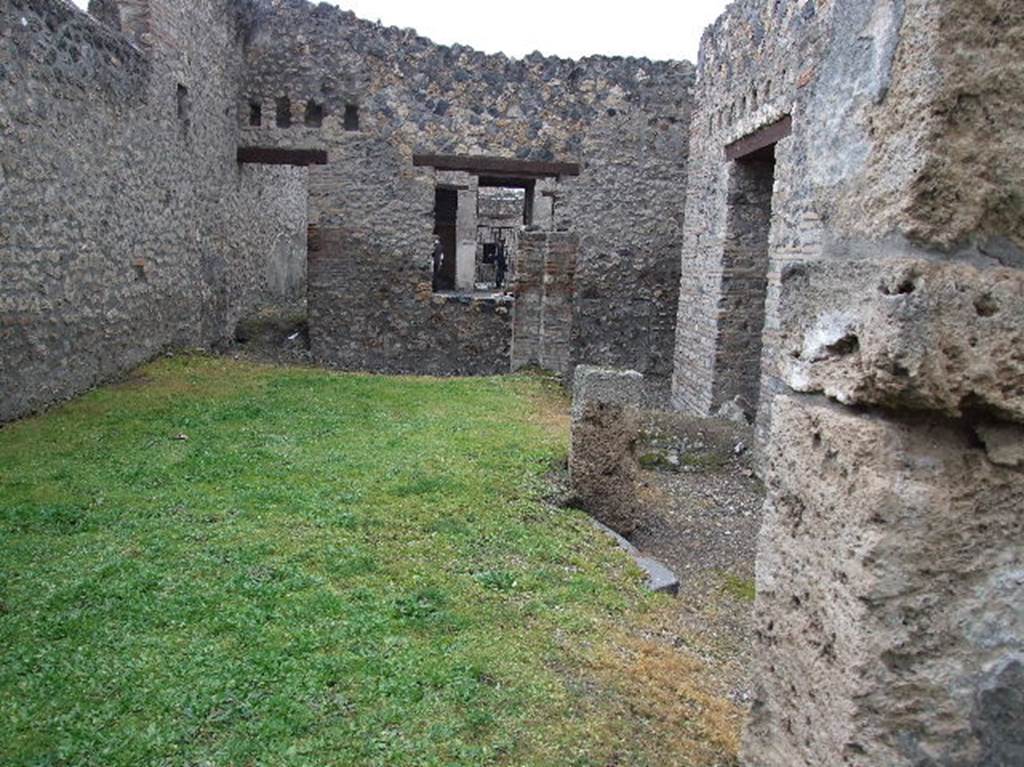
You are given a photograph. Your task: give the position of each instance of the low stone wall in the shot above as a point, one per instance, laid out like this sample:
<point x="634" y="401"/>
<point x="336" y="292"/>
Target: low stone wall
<point x="401" y="326"/>
<point x="616" y="434"/>
<point x="627" y="207"/>
<point x="603" y="467"/>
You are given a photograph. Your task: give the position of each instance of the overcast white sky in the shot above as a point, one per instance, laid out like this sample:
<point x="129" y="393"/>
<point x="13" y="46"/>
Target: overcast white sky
<point x="658" y="29"/>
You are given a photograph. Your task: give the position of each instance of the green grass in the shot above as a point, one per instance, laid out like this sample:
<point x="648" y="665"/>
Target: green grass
<point x="739" y="587"/>
<point x="330" y="570"/>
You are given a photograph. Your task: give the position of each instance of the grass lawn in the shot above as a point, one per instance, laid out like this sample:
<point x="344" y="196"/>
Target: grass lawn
<point x="224" y="563"/>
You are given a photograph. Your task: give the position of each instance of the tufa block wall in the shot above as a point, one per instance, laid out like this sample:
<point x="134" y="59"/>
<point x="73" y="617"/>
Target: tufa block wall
<point x="890" y="380"/>
<point x="889" y="580"/>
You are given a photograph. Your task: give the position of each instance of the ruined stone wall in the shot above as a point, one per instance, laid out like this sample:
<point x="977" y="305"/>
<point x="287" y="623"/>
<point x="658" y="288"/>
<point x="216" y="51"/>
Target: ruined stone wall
<point x="890" y="380"/>
<point x="627" y="207"/>
<point x="416" y="97"/>
<point x="126" y="226"/>
<point x="449" y="335"/>
<point x="753" y="70"/>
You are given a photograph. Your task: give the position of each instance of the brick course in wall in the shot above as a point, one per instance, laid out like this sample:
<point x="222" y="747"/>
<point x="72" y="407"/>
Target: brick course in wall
<point x="544" y="288"/>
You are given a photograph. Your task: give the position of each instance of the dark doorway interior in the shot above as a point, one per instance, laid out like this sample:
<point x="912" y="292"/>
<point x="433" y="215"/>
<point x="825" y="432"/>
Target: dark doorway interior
<point x="741" y="309"/>
<point x="446" y="206"/>
<point x="351" y="117"/>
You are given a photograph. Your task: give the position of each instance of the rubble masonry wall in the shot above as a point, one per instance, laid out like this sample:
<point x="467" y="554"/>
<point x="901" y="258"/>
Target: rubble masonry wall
<point x="625" y="120"/>
<point x="126" y="226"/>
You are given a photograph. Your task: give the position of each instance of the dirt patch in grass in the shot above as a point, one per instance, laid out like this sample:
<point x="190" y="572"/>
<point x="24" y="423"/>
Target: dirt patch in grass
<point x="550" y="404"/>
<point x="702" y="523"/>
<point x="134" y="380"/>
<point x="669" y="693"/>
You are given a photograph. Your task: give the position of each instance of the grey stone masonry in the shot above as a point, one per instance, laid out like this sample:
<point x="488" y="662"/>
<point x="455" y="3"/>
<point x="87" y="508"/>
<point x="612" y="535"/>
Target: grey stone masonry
<point x="608" y="385"/>
<point x="623" y="121"/>
<point x="126" y="225"/>
<point x="445" y="334"/>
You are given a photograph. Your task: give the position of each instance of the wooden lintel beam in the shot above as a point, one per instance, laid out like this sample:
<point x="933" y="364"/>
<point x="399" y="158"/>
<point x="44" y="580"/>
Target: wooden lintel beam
<point x="496" y="166"/>
<point x="270" y="155"/>
<point x="759" y="139"/>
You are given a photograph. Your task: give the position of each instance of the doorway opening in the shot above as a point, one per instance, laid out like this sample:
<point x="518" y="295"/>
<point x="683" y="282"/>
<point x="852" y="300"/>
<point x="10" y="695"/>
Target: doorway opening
<point x="446" y="208"/>
<point x="741" y="307"/>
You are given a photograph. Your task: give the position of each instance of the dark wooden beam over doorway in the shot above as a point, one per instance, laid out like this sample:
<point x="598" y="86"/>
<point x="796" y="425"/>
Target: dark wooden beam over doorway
<point x="272" y="155"/>
<point x="496" y="166"/>
<point x="759" y="139"/>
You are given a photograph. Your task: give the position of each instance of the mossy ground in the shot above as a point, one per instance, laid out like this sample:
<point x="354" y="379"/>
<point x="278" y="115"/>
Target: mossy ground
<point x="226" y="563"/>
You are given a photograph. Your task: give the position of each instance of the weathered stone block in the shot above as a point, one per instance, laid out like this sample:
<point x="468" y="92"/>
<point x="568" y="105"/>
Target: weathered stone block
<point x="906" y="333"/>
<point x="890" y="580"/>
<point x="614" y="387"/>
<point x="602" y="465"/>
<point x="603" y="468"/>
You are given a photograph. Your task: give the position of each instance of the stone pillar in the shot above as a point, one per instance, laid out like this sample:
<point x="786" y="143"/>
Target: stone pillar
<point x="465" y="245"/>
<point x="603" y="468"/>
<point x="890" y="573"/>
<point x="559" y="282"/>
<point x="529" y="292"/>
<point x="543" y="214"/>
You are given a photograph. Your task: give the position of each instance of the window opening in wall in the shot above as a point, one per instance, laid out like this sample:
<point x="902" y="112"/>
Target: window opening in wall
<point x="501" y="213"/>
<point x="255" y="113"/>
<point x="351" y="117"/>
<point x="284" y="112"/>
<point x="741" y="309"/>
<point x="446" y="206"/>
<point x="314" y="114"/>
<point x="184" y="106"/>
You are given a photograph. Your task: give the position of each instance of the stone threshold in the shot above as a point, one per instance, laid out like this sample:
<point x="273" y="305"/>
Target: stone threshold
<point x="660" y="579"/>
